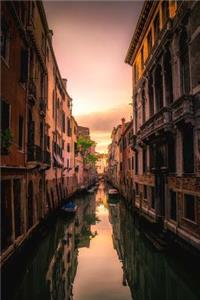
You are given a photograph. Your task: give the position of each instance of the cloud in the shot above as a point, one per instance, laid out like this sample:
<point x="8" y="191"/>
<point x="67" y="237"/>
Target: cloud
<point x="102" y="123"/>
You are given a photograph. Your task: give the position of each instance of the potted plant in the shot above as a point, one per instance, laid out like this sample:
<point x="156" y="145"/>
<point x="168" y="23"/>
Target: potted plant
<point x="6" y="141"/>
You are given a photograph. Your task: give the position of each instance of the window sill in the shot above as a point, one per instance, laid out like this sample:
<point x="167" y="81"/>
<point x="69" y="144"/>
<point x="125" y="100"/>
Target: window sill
<point x="173" y="221"/>
<point x="21" y="151"/>
<point x="5" y="62"/>
<point x="189" y="221"/>
<point x="23" y="85"/>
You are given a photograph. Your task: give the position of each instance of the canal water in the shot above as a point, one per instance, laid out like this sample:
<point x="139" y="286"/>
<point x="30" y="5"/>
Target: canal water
<point x="99" y="254"/>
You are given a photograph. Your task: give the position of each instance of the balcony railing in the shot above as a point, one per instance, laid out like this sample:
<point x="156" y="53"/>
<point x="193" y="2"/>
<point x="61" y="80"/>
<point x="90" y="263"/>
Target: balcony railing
<point x="182" y="109"/>
<point x="47" y="157"/>
<point x="34" y="153"/>
<point x="43" y="106"/>
<point x="32" y="91"/>
<point x="159" y="121"/>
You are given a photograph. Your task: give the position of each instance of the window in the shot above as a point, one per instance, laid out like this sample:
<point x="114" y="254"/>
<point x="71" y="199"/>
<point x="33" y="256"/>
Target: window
<point x="189" y="207"/>
<point x="68" y="163"/>
<point x="151" y="96"/>
<point x="188" y="150"/>
<point x="142" y="58"/>
<point x="168" y="78"/>
<point x="135" y="114"/>
<point x="165" y="11"/>
<point x="53" y="105"/>
<point x="129" y="164"/>
<point x="184" y="63"/>
<point x="24" y="66"/>
<point x="137" y="189"/>
<point x="152" y="197"/>
<point x="144" y="159"/>
<point x="156" y="24"/>
<point x="68" y="147"/>
<point x="143" y="105"/>
<point x="149" y="42"/>
<point x="133" y="163"/>
<point x="20" y="132"/>
<point x="5" y="115"/>
<point x="43" y="43"/>
<point x="172" y="154"/>
<point x="173" y="205"/>
<point x="17" y="206"/>
<point x="136" y="162"/>
<point x="5" y="40"/>
<point x="151" y="157"/>
<point x="145" y="192"/>
<point x="69" y="131"/>
<point x="63" y="122"/>
<point x="159" y="87"/>
<point x="135" y="73"/>
<point x="6" y="213"/>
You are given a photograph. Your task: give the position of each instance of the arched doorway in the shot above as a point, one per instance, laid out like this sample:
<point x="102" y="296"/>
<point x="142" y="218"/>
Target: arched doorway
<point x="30" y="211"/>
<point x="40" y="199"/>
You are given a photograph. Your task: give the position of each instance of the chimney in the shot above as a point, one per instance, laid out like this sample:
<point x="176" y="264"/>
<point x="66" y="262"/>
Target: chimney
<point x="123" y="124"/>
<point x="50" y="34"/>
<point x="65" y="83"/>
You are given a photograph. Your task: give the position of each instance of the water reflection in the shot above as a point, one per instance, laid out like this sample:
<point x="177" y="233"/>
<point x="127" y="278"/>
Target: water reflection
<point x="99" y="254"/>
<point x="149" y="274"/>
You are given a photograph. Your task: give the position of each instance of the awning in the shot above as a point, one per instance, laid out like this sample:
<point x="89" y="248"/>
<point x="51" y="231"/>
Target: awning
<point x="57" y="160"/>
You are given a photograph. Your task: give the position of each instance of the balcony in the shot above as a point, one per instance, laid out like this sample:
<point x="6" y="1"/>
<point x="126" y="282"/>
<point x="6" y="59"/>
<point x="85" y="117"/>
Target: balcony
<point x="160" y="121"/>
<point x="43" y="107"/>
<point x="34" y="153"/>
<point x="47" y="157"/>
<point x="182" y="109"/>
<point x="32" y="92"/>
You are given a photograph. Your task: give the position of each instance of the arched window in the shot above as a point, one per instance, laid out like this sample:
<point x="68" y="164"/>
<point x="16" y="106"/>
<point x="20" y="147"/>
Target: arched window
<point x="159" y="87"/>
<point x="135" y="114"/>
<point x="30" y="210"/>
<point x="143" y="104"/>
<point x="184" y="63"/>
<point x="168" y="77"/>
<point x="150" y="91"/>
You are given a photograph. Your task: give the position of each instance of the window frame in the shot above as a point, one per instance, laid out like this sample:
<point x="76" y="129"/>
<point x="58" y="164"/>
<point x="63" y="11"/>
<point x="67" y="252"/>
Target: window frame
<point x="184" y="208"/>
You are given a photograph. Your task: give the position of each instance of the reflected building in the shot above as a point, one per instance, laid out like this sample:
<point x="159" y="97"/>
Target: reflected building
<point x="150" y="274"/>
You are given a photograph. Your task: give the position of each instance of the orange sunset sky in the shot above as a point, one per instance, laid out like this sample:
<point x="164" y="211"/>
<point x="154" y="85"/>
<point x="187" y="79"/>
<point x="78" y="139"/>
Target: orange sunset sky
<point x="90" y="42"/>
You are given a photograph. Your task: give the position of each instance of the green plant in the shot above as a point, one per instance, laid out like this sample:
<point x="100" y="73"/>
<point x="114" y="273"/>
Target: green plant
<point x="6" y="139"/>
<point x="84" y="144"/>
<point x="91" y="158"/>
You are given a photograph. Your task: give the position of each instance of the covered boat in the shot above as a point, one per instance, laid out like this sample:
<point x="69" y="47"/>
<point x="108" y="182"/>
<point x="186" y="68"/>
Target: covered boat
<point x="69" y="207"/>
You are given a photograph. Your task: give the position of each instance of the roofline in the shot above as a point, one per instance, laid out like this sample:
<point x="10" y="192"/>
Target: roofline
<point x="46" y="26"/>
<point x="139" y="27"/>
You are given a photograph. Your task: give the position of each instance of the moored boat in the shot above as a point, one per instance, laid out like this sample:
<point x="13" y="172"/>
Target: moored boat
<point x="113" y="192"/>
<point x="69" y="207"/>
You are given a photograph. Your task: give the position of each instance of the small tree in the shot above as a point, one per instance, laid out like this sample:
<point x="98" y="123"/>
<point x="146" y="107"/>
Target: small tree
<point x="84" y="144"/>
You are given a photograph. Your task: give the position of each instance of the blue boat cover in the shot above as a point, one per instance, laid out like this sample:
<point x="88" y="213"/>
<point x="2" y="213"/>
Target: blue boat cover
<point x="69" y="205"/>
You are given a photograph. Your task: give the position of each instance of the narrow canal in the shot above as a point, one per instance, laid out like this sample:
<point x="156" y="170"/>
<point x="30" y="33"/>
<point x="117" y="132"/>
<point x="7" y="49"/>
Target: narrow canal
<point x="99" y="254"/>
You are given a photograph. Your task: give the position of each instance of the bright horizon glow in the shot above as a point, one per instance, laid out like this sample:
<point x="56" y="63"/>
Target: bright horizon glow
<point x="90" y="42"/>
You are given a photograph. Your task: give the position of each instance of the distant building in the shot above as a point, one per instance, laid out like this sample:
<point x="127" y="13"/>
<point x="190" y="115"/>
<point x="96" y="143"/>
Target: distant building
<point x="101" y="163"/>
<point x="83" y="131"/>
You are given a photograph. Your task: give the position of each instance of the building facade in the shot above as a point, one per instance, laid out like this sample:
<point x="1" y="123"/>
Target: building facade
<point x="38" y="131"/>
<point x="165" y="60"/>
